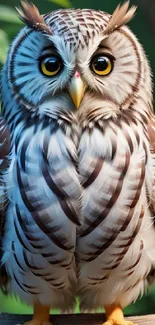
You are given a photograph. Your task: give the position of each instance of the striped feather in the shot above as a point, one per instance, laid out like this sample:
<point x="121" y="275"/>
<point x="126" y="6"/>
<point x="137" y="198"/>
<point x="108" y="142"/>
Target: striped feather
<point x="4" y="152"/>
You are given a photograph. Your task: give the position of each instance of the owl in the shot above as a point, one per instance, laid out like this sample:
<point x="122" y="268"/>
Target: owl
<point x="78" y="182"/>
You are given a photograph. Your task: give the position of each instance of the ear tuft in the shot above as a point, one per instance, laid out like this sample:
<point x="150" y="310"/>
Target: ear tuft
<point x="121" y="16"/>
<point x="30" y="15"/>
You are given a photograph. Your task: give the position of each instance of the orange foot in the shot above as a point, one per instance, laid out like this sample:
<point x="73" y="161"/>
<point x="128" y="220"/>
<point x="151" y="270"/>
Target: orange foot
<point x="116" y="322"/>
<point x="36" y="322"/>
<point x="41" y="315"/>
<point x="115" y="316"/>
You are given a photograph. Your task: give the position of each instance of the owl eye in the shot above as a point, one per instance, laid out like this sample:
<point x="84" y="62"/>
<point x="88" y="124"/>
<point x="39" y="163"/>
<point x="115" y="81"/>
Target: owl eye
<point x="50" y="66"/>
<point x="102" y="65"/>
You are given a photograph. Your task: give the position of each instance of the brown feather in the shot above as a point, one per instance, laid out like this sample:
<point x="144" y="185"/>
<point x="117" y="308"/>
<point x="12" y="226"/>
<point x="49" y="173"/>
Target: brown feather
<point x="121" y="16"/>
<point x="30" y="15"/>
<point x="151" y="134"/>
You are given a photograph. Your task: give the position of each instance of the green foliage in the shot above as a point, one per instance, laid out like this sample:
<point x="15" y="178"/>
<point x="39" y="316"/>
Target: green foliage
<point x="13" y="305"/>
<point x="62" y="3"/>
<point x="9" y="15"/>
<point x="141" y="307"/>
<point x="8" y="18"/>
<point x="4" y="44"/>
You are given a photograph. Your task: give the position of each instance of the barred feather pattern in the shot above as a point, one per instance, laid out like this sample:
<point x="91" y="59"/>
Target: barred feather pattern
<point x="42" y="182"/>
<point x="4" y="152"/>
<point x="80" y="183"/>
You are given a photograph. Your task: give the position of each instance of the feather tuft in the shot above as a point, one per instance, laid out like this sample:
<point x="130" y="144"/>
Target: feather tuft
<point x="30" y="15"/>
<point x="121" y="16"/>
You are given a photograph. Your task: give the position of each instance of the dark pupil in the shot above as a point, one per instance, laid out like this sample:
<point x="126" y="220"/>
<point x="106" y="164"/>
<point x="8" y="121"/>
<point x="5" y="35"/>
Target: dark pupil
<point x="52" y="64"/>
<point x="101" y="64"/>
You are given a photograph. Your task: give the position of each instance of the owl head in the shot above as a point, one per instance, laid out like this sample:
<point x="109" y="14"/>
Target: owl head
<point x="70" y="59"/>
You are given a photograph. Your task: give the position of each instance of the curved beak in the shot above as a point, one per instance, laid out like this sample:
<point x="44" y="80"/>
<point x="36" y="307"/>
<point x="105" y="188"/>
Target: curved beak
<point x="76" y="89"/>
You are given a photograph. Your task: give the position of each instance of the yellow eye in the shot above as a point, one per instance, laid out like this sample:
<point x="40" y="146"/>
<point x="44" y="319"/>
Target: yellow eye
<point x="102" y="65"/>
<point x="51" y="66"/>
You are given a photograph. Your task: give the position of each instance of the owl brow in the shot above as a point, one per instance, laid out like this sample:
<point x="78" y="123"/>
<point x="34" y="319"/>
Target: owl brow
<point x="50" y="50"/>
<point x="104" y="48"/>
<point x="49" y="47"/>
<point x="101" y="46"/>
<point x="106" y="51"/>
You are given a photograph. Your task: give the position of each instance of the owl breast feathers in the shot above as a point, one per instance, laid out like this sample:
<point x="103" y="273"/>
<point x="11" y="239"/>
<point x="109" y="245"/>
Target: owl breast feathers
<point x="78" y="169"/>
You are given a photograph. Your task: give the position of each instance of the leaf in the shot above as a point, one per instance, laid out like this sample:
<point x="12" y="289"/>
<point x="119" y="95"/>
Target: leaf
<point x="9" y="15"/>
<point x="4" y="44"/>
<point x="62" y="3"/>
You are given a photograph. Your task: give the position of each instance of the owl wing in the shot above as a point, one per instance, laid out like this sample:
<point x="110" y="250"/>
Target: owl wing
<point x="4" y="151"/>
<point x="151" y="134"/>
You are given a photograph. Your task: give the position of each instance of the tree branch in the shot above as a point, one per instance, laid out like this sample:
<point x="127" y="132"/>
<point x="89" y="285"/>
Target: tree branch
<point x="82" y="319"/>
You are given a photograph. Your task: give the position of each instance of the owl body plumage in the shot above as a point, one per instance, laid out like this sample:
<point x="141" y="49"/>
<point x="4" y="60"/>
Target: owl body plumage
<point x="80" y="182"/>
<point x="115" y="247"/>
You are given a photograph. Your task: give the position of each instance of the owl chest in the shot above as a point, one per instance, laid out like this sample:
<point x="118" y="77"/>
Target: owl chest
<point x="88" y="184"/>
<point x="114" y="202"/>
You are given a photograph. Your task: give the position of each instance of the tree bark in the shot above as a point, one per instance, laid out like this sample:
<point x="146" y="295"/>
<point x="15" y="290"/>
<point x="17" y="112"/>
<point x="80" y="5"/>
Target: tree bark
<point x="79" y="319"/>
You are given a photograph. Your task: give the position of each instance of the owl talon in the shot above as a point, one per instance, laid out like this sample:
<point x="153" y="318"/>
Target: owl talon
<point x="41" y="315"/>
<point x="115" y="316"/>
<point x="37" y="322"/>
<point x="116" y="322"/>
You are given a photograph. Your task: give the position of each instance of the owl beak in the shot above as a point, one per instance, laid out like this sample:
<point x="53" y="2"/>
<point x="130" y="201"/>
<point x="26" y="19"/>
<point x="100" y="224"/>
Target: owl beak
<point x="76" y="89"/>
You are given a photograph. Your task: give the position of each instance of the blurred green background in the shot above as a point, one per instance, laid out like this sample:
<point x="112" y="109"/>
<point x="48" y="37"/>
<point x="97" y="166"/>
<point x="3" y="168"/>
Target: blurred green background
<point x="143" y="25"/>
